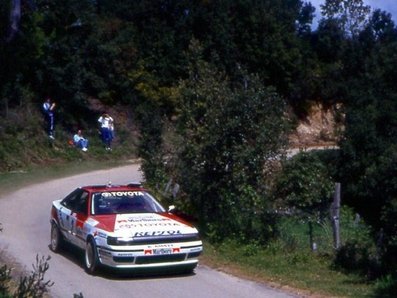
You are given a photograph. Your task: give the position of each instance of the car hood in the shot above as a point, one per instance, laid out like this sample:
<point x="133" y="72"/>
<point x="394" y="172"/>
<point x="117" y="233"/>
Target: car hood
<point x="144" y="225"/>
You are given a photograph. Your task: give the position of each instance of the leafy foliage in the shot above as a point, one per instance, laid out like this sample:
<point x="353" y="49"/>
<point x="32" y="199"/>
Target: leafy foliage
<point x="305" y="184"/>
<point x="350" y="14"/>
<point x="35" y="285"/>
<point x="228" y="135"/>
<point x="368" y="150"/>
<point x="386" y="286"/>
<point x="32" y="285"/>
<point x="359" y="252"/>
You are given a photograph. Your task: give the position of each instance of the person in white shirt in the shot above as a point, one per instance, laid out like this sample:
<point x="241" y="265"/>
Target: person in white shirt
<point x="79" y="141"/>
<point x="106" y="129"/>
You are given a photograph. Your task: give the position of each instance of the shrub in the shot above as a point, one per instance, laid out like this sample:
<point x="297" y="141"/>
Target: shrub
<point x="353" y="256"/>
<point x="230" y="133"/>
<point x="304" y="184"/>
<point x="5" y="277"/>
<point x="386" y="286"/>
<point x="33" y="285"/>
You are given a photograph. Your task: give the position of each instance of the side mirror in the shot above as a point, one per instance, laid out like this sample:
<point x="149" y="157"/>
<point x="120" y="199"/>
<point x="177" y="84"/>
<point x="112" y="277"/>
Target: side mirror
<point x="171" y="208"/>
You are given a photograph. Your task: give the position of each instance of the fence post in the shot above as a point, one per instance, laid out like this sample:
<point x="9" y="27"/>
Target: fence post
<point x="335" y="210"/>
<point x="313" y="245"/>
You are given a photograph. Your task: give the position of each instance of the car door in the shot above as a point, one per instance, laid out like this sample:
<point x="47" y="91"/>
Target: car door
<point x="79" y="216"/>
<point x="73" y="215"/>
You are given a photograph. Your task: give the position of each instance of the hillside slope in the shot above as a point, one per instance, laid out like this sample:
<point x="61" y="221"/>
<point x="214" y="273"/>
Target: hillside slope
<point x="321" y="127"/>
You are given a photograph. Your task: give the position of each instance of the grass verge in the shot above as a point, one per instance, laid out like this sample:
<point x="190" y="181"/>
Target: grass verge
<point x="13" y="180"/>
<point x="305" y="274"/>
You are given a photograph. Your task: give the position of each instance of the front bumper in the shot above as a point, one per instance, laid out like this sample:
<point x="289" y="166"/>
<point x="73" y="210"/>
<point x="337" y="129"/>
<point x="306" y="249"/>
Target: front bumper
<point x="151" y="256"/>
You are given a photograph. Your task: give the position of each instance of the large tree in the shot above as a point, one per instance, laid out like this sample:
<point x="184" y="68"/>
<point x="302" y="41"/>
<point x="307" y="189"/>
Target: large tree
<point x="369" y="146"/>
<point x="351" y="15"/>
<point x="230" y="132"/>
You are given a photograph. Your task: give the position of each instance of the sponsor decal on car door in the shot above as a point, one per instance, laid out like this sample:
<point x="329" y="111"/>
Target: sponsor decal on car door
<point x="77" y="229"/>
<point x="66" y="221"/>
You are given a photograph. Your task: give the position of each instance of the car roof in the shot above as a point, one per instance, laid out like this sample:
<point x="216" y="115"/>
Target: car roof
<point x="113" y="187"/>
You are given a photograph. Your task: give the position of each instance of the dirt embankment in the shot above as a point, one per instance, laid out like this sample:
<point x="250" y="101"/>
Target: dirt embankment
<point x="322" y="127"/>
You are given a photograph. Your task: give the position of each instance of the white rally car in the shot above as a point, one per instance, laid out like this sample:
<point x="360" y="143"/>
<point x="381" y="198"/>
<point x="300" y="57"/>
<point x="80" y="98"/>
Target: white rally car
<point x="123" y="227"/>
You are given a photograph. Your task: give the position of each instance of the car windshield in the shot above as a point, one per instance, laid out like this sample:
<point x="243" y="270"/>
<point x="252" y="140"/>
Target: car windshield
<point x="116" y="202"/>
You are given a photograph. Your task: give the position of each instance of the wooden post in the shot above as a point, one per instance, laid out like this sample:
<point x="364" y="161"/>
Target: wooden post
<point x="335" y="210"/>
<point x="313" y="245"/>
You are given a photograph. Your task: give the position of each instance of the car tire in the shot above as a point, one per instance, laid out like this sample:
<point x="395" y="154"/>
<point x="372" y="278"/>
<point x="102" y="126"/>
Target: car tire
<point x="189" y="270"/>
<point x="91" y="262"/>
<point x="56" y="238"/>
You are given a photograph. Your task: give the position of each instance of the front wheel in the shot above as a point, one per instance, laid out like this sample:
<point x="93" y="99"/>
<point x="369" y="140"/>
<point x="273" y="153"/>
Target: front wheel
<point x="56" y="238"/>
<point x="91" y="261"/>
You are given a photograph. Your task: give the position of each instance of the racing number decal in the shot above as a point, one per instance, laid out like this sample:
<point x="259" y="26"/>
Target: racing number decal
<point x="72" y="223"/>
<point x="60" y="218"/>
<point x="79" y="225"/>
<point x="65" y="220"/>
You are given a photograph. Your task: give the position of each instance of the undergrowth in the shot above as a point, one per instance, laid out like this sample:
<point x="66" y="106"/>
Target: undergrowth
<point x="289" y="260"/>
<point x="33" y="284"/>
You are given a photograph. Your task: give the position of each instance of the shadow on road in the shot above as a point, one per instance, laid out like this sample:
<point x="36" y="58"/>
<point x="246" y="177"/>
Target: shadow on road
<point x="76" y="256"/>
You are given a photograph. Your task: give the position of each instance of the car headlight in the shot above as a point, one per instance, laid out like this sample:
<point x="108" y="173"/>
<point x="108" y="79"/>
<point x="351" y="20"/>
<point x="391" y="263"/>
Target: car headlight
<point x="119" y="240"/>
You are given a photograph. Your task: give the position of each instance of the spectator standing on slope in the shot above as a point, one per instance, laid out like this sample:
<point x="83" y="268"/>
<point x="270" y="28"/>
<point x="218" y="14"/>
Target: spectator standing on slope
<point x="106" y="130"/>
<point x="48" y="110"/>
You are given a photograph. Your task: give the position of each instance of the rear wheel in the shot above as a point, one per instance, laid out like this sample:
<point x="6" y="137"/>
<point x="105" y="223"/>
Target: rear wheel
<point x="56" y="238"/>
<point x="91" y="261"/>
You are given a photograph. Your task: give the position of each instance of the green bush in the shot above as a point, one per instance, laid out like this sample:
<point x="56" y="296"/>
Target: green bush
<point x="32" y="285"/>
<point x="305" y="183"/>
<point x="5" y="277"/>
<point x="386" y="286"/>
<point x="354" y="257"/>
<point x="293" y="233"/>
<point x="358" y="252"/>
<point x="229" y="134"/>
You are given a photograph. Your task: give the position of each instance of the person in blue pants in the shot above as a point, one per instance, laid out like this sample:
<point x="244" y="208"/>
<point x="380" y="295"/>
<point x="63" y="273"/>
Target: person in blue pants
<point x="79" y="141"/>
<point x="48" y="110"/>
<point x="106" y="130"/>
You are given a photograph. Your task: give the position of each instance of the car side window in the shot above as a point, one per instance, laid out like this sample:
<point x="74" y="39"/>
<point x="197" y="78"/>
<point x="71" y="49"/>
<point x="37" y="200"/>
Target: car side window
<point x="81" y="204"/>
<point x="76" y="201"/>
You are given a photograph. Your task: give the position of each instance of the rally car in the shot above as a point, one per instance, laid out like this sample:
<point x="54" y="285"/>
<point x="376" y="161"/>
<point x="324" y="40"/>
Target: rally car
<point x="123" y="227"/>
